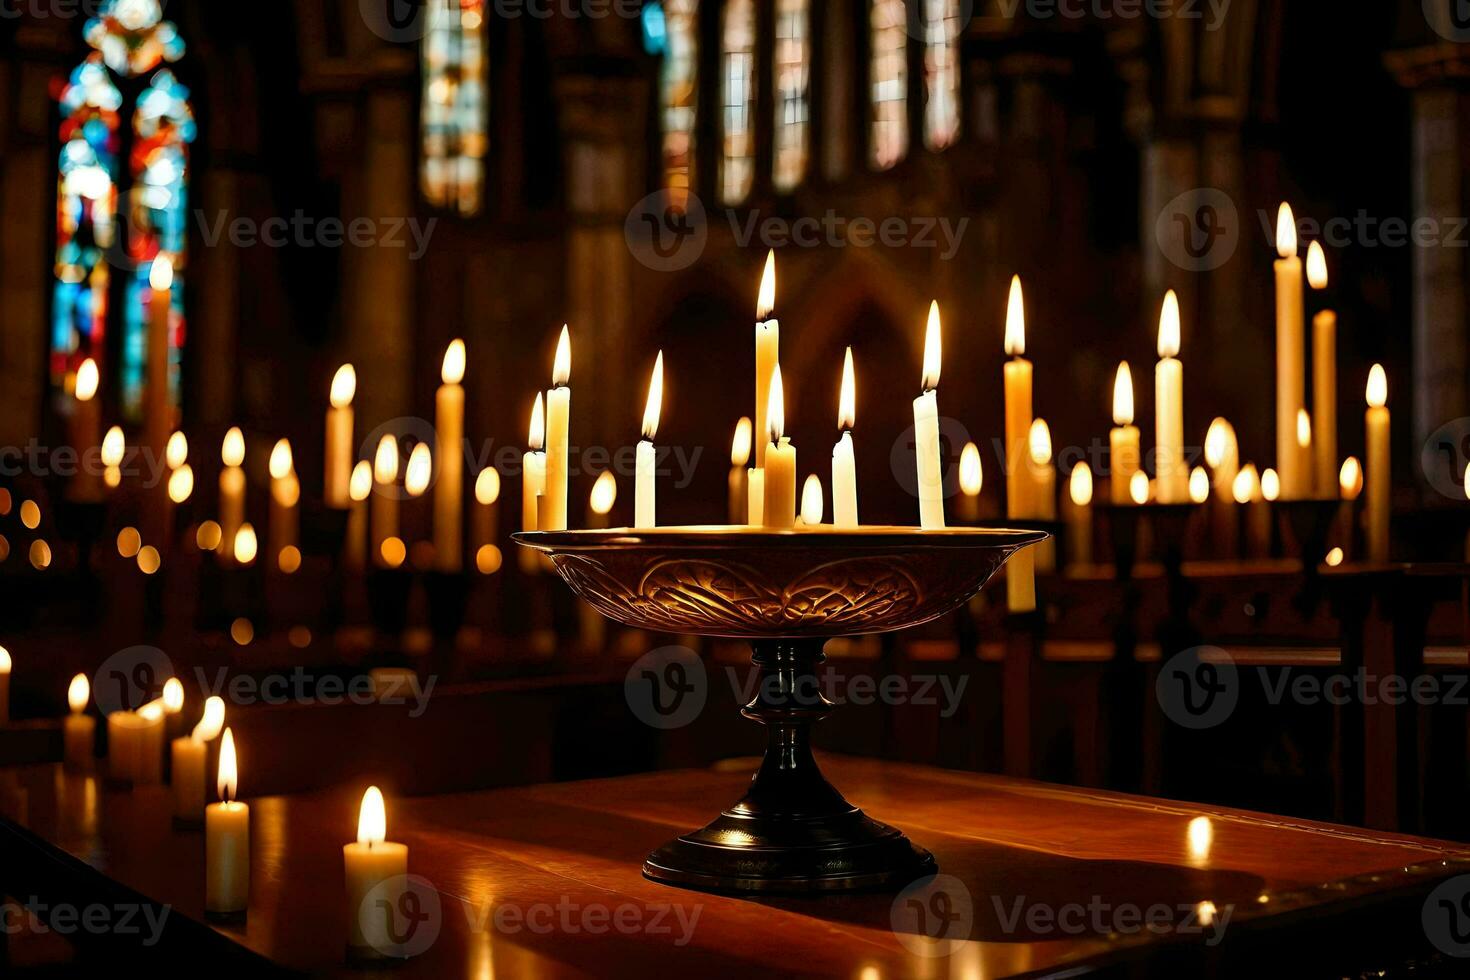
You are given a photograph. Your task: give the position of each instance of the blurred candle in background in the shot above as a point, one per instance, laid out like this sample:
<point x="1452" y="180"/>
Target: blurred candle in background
<point x="779" y="495"/>
<point x="1290" y="356"/>
<point x="844" y="460"/>
<point x="1078" y="515"/>
<point x="359" y="489"/>
<point x="231" y="491"/>
<point x="385" y="496"/>
<point x="5" y="666"/>
<point x="644" y="503"/>
<point x="1324" y="380"/>
<point x="158" y="411"/>
<point x="1379" y="476"/>
<point x="86" y="425"/>
<point x="484" y="527"/>
<point x="533" y="480"/>
<point x="600" y="503"/>
<point x="149" y="770"/>
<point x="283" y="532"/>
<point x="1247" y="493"/>
<point x="813" y="505"/>
<point x="79" y="730"/>
<point x="1018" y="396"/>
<point x="1044" y="486"/>
<point x="740" y="449"/>
<point x="926" y="431"/>
<point x="190" y="764"/>
<point x="1123" y="458"/>
<point x="1199" y="485"/>
<point x="1222" y="454"/>
<point x="1304" y="450"/>
<point x="337" y="466"/>
<point x="173" y="707"/>
<point x="972" y="481"/>
<point x="114" y="448"/>
<point x="1349" y="488"/>
<point x="450" y="451"/>
<point x="558" y="435"/>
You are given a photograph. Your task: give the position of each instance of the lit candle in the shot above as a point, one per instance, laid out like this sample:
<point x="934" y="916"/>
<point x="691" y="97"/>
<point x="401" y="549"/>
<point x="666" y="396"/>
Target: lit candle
<point x="376" y="871"/>
<point x="5" y="665"/>
<point x="337" y="467"/>
<point x="419" y="472"/>
<point x="1172" y="474"/>
<point x="926" y="431"/>
<point x="181" y="484"/>
<point x="740" y="449"/>
<point x="149" y="771"/>
<point x="558" y="426"/>
<point x="1304" y="449"/>
<point x="1018" y="384"/>
<point x="449" y="448"/>
<point x="645" y="511"/>
<point x="114" y="447"/>
<point x="844" y="462"/>
<point x="1079" y="516"/>
<point x="124" y="745"/>
<point x="227" y="841"/>
<point x="1044" y="488"/>
<point x="1324" y="378"/>
<point x="972" y="481"/>
<point x="173" y="707"/>
<point x="189" y="763"/>
<point x="1124" y="440"/>
<point x="813" y="506"/>
<point x="1350" y="487"/>
<point x="779" y="495"/>
<point x="79" y="730"/>
<point x="755" y="496"/>
<point x="285" y="495"/>
<point x="176" y="454"/>
<point x="1247" y="493"/>
<point x="1222" y="453"/>
<point x="1290" y="357"/>
<point x="231" y="491"/>
<point x="86" y="424"/>
<point x="533" y="479"/>
<point x="487" y="509"/>
<point x="767" y="354"/>
<point x="599" y="505"/>
<point x="359" y="489"/>
<point x="1140" y="488"/>
<point x="385" y="496"/>
<point x="1199" y="485"/>
<point x="1379" y="477"/>
<point x="158" y="419"/>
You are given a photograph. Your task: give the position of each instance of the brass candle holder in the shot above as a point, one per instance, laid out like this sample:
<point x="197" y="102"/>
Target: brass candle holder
<point x="787" y="593"/>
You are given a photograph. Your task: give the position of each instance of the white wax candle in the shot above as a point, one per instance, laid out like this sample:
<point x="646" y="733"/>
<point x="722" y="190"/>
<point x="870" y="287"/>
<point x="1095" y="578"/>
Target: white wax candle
<point x="1079" y="515"/>
<point x="385" y="495"/>
<point x="1018" y="396"/>
<point x="1290" y="356"/>
<point x="644" y="510"/>
<point x="375" y="867"/>
<point x="1123" y="441"/>
<point x="79" y="730"/>
<point x="231" y="492"/>
<point x="1378" y="478"/>
<point x="5" y="667"/>
<point x="285" y="496"/>
<point x="778" y="481"/>
<point x="190" y="763"/>
<point x="844" y="461"/>
<point x="124" y="745"/>
<point x="449" y="450"/>
<point x="755" y="497"/>
<point x="558" y="436"/>
<point x="1173" y="475"/>
<point x="741" y="447"/>
<point x="86" y="428"/>
<point x="533" y="467"/>
<point x="337" y="462"/>
<point x="149" y="771"/>
<point x="1044" y="484"/>
<point x="360" y="488"/>
<point x="767" y="355"/>
<point x="926" y="431"/>
<point x="158" y="414"/>
<point x="227" y="841"/>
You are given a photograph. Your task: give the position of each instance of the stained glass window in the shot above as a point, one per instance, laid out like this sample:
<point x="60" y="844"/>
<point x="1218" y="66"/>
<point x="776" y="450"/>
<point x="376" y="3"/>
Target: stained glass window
<point x="738" y="160"/>
<point x="889" y="80"/>
<point x="677" y="88"/>
<point x="793" y="68"/>
<point x="455" y="139"/>
<point x="941" y="73"/>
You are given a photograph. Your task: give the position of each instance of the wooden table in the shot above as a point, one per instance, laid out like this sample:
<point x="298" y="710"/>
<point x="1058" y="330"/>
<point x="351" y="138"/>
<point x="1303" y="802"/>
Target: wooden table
<point x="544" y="881"/>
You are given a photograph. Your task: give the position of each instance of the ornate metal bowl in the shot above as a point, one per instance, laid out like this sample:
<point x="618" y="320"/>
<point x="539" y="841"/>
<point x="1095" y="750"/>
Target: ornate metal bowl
<point x="755" y="583"/>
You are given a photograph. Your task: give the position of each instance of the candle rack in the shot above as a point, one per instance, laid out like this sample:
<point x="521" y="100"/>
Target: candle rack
<point x="787" y="593"/>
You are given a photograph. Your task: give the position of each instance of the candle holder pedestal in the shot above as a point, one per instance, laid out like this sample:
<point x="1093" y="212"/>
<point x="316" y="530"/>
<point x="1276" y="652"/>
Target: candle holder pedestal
<point x="787" y="593"/>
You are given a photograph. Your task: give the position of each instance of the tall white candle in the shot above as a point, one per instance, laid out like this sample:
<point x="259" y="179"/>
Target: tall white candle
<point x="385" y="495"/>
<point x="1173" y="475"/>
<point x="5" y="666"/>
<point x="533" y="479"/>
<point x="1378" y="480"/>
<point x="1324" y="382"/>
<point x="79" y="731"/>
<point x="337" y="465"/>
<point x="558" y="429"/>
<point x="767" y="355"/>
<point x="644" y="507"/>
<point x="449" y="449"/>
<point x="190" y="755"/>
<point x="926" y="431"/>
<point x="1290" y="356"/>
<point x="227" y="841"/>
<point x="231" y="492"/>
<point x="1124" y="440"/>
<point x="359" y="489"/>
<point x="158" y="413"/>
<point x="1044" y="485"/>
<point x="1018" y="389"/>
<point x="285" y="496"/>
<point x="741" y="447"/>
<point x="844" y="461"/>
<point x="779" y="475"/>
<point x="813" y="504"/>
<point x="1079" y="515"/>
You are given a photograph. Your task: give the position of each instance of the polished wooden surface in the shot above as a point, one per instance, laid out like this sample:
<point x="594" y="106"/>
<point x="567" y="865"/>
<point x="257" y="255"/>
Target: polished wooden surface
<point x="577" y="847"/>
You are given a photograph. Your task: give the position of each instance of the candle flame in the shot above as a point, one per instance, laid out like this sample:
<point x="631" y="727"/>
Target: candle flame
<point x="79" y="694"/>
<point x="654" y="408"/>
<point x="229" y="768"/>
<point x="451" y="370"/>
<point x="1247" y="484"/>
<point x="385" y="463"/>
<point x="1201" y="835"/>
<point x="487" y="486"/>
<point x="232" y="451"/>
<point x="246" y="544"/>
<point x="1270" y="484"/>
<point x="113" y="447"/>
<point x="1219" y="442"/>
<point x="1377" y="392"/>
<point x="360" y="486"/>
<point x="972" y="473"/>
<point x="1334" y="557"/>
<point x="1015" y="320"/>
<point x="1138" y="487"/>
<point x="173" y="696"/>
<point x="153" y="711"/>
<point x="176" y="453"/>
<point x="344" y="386"/>
<point x="1350" y="478"/>
<point x="181" y="484"/>
<point x="1316" y="266"/>
<point x="847" y="400"/>
<point x="932" y="356"/>
<point x="1040" y="442"/>
<point x="776" y="408"/>
<point x="604" y="494"/>
<point x="1285" y="232"/>
<point x="420" y="470"/>
<point x="212" y="723"/>
<point x="87" y="381"/>
<point x="4" y="661"/>
<point x="1303" y="428"/>
<point x="372" y="818"/>
<point x="1169" y="326"/>
<point x="766" y="302"/>
<point x="740" y="445"/>
<point x="1199" y="485"/>
<point x="812" y="503"/>
<point x="1467" y="482"/>
<point x="1123" y="396"/>
<point x="1080" y="486"/>
<point x="161" y="275"/>
<point x="561" y="368"/>
<point x="536" y="438"/>
<point x="281" y="460"/>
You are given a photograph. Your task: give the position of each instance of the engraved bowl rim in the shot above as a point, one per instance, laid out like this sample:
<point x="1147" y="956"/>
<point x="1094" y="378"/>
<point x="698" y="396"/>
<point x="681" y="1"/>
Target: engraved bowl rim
<point x="866" y="539"/>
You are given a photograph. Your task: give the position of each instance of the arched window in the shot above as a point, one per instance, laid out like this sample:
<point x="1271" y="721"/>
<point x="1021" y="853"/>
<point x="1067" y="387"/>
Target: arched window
<point x="941" y="73"/>
<point x="793" y="111"/>
<point x="94" y="237"/>
<point x="889" y="141"/>
<point x="678" y="88"/>
<point x="737" y="160"/>
<point x="452" y="172"/>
